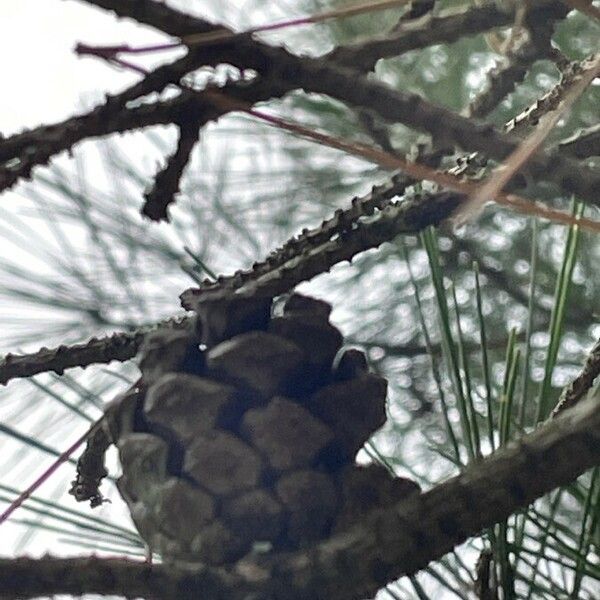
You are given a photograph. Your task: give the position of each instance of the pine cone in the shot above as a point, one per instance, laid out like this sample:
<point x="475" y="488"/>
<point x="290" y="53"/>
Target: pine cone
<point x="248" y="440"/>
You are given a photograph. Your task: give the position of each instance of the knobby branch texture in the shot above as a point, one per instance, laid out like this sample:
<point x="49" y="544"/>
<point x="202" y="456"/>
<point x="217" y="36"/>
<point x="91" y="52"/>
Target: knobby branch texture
<point x="313" y="252"/>
<point x="330" y="75"/>
<point x="118" y="346"/>
<point x="21" y="152"/>
<point x="386" y="545"/>
<point x="166" y="182"/>
<point x="580" y="386"/>
<point x="528" y="43"/>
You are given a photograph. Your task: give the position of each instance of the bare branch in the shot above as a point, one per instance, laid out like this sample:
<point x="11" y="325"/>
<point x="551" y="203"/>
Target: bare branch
<point x="420" y="33"/>
<point x="118" y="346"/>
<point x="166" y="182"/>
<point x="362" y="56"/>
<point x="446" y="127"/>
<point x="571" y="74"/>
<point x="20" y="153"/>
<point x="28" y="578"/>
<point x="502" y="80"/>
<point x="409" y="216"/>
<point x="299" y="260"/>
<point x="287" y="72"/>
<point x="354" y="564"/>
<point x="579" y="387"/>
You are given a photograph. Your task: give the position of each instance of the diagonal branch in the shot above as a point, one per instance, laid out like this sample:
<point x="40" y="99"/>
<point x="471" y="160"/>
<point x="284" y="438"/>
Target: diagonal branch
<point x="362" y="56"/>
<point x="445" y="126"/>
<point x="312" y="253"/>
<point x="389" y="543"/>
<point x="167" y="181"/>
<point x="571" y="74"/>
<point x="579" y="387"/>
<point x="118" y="346"/>
<point x="20" y="153"/>
<point x="420" y="33"/>
<point x="321" y="76"/>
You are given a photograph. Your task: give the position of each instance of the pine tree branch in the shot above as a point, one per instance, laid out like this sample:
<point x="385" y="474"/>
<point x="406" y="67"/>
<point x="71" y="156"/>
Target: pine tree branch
<point x="579" y="387"/>
<point x="318" y="75"/>
<point x="446" y="127"/>
<point x="118" y="346"/>
<point x="419" y="34"/>
<point x="27" y="578"/>
<point x="408" y="216"/>
<point x="20" y="153"/>
<point x="412" y="35"/>
<point x="167" y="181"/>
<point x="339" y="224"/>
<point x="503" y="79"/>
<point x="287" y="72"/>
<point x="387" y="544"/>
<point x="550" y="101"/>
<point x="38" y="145"/>
<point x="313" y="253"/>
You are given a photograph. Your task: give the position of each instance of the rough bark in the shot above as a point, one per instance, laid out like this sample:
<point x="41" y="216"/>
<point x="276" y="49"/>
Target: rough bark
<point x="386" y="545"/>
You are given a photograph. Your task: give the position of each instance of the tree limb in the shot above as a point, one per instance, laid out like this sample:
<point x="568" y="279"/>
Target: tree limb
<point x="320" y="75"/>
<point x="578" y="388"/>
<point x="43" y="142"/>
<point x="353" y="564"/>
<point x="19" y="156"/>
<point x="298" y="260"/>
<point x="167" y="180"/>
<point x="519" y="58"/>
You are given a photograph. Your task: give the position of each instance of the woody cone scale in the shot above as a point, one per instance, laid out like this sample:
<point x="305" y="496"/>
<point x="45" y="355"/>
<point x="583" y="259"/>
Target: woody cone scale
<point x="243" y="435"/>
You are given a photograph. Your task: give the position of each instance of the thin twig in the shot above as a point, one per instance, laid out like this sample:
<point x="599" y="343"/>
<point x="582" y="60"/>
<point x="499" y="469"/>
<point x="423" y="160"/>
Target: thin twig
<point x="571" y="74"/>
<point x="530" y="40"/>
<point x="23" y="496"/>
<point x="415" y="170"/>
<point x="20" y="153"/>
<point x="222" y="34"/>
<point x="526" y="151"/>
<point x="579" y="387"/>
<point x="118" y="346"/>
<point x="166" y="183"/>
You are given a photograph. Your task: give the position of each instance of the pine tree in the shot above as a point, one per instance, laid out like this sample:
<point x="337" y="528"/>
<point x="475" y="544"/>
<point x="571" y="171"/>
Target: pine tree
<point x="238" y="415"/>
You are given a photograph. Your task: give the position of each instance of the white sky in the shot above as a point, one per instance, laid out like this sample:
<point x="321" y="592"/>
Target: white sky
<point x="43" y="80"/>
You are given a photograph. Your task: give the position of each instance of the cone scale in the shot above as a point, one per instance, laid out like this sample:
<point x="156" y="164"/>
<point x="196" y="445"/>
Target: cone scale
<point x="243" y="435"/>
